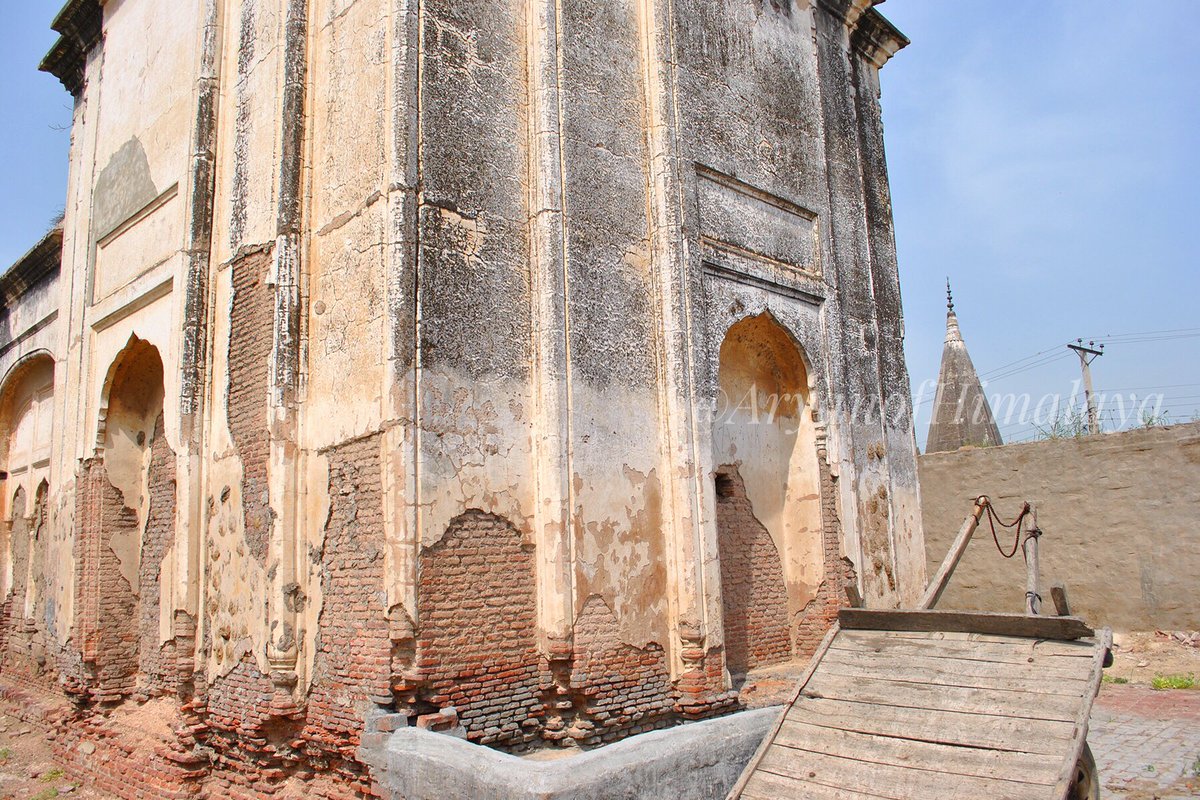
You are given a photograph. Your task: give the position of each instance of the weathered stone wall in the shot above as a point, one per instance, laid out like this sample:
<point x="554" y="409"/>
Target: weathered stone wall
<point x="1118" y="515"/>
<point x="438" y="294"/>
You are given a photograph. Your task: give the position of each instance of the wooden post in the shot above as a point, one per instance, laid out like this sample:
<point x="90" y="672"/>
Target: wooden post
<point x="1058" y="593"/>
<point x="1033" y="600"/>
<point x="936" y="586"/>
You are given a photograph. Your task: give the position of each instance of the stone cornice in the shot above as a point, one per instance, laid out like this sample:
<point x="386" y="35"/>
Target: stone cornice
<point x="876" y="38"/>
<point x="44" y="260"/>
<point x="79" y="25"/>
<point x="847" y="10"/>
<point x="871" y="35"/>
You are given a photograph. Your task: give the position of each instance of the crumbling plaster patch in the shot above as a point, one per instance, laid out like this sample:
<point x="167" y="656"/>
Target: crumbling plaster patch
<point x="236" y="583"/>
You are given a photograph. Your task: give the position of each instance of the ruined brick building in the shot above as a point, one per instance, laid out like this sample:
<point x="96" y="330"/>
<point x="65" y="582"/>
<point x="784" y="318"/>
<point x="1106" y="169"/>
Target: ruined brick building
<point x="533" y="363"/>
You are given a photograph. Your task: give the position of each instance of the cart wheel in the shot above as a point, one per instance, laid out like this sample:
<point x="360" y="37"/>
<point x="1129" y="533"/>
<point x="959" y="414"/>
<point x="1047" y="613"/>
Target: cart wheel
<point x="1086" y="783"/>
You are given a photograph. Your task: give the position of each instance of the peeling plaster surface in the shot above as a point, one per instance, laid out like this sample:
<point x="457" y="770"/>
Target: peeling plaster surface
<point x="511" y="242"/>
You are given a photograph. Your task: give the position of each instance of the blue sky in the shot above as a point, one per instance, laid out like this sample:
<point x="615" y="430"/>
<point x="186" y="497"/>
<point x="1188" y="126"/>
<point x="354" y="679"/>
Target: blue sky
<point x="34" y="129"/>
<point x="1042" y="155"/>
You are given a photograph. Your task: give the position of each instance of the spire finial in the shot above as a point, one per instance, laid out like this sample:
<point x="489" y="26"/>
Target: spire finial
<point x="949" y="296"/>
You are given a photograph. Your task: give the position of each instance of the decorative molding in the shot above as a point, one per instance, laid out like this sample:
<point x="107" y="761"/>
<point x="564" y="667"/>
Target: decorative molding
<point x="139" y="215"/>
<point x="871" y="35"/>
<point x="140" y="301"/>
<point x="80" y="26"/>
<point x="42" y="261"/>
<point x="29" y="332"/>
<point x="848" y="11"/>
<point x="806" y="292"/>
<point x="877" y="39"/>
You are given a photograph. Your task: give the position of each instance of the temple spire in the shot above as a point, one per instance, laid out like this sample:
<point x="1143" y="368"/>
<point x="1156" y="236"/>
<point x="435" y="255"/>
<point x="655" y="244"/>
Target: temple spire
<point x="961" y="413"/>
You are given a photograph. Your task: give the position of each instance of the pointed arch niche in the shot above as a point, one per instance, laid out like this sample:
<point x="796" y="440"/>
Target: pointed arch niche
<point x="127" y="522"/>
<point x="768" y="492"/>
<point x="26" y="426"/>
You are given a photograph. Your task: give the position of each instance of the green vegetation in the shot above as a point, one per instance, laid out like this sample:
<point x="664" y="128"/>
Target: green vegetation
<point x="46" y="794"/>
<point x="1115" y="679"/>
<point x="51" y="775"/>
<point x="1070" y="423"/>
<point x="1174" y="681"/>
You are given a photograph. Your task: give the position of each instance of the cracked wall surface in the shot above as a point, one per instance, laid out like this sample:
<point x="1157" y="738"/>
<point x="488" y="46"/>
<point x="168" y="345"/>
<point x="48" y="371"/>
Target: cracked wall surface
<point x="447" y="301"/>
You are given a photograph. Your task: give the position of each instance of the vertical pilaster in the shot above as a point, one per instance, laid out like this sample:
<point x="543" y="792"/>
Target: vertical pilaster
<point x="401" y="378"/>
<point x="671" y="259"/>
<point x="874" y="41"/>
<point x="196" y="344"/>
<point x="287" y="356"/>
<point x="865" y="486"/>
<point x="553" y="504"/>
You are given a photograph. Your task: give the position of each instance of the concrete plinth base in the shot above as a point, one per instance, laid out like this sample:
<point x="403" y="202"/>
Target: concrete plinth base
<point x="700" y="761"/>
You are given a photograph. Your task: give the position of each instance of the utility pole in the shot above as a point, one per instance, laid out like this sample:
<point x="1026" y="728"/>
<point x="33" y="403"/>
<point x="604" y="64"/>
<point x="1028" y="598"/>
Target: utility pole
<point x="1087" y="354"/>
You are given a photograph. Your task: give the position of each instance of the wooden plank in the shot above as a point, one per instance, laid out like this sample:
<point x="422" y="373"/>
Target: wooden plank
<point x="813" y="663"/>
<point x="1026" y="678"/>
<point x="1077" y="647"/>
<point x="963" y="636"/>
<point x="895" y="783"/>
<point x="1067" y="770"/>
<point x="993" y="702"/>
<point x="941" y="578"/>
<point x="769" y="786"/>
<point x="940" y="727"/>
<point x="1027" y="651"/>
<point x="1039" y="669"/>
<point x="976" y="762"/>
<point x="1021" y="625"/>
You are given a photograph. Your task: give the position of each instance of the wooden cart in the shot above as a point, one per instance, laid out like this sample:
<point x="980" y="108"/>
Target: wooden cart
<point x="939" y="705"/>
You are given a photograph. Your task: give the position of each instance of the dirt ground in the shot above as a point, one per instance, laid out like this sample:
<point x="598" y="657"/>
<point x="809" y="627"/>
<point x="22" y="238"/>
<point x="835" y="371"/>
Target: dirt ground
<point x="27" y="767"/>
<point x="28" y="770"/>
<point x="1140" y="657"/>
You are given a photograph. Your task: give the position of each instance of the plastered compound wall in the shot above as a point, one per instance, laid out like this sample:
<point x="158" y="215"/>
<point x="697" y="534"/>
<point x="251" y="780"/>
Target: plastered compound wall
<point x="1117" y="514"/>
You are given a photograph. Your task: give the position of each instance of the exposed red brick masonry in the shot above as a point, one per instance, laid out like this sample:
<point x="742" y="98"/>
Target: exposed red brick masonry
<point x="754" y="596"/>
<point x="476" y="646"/>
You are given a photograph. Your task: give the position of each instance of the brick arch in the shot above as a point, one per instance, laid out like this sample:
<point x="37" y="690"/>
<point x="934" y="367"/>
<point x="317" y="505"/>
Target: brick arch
<point x="27" y="378"/>
<point x="769" y="513"/>
<point x="16" y="530"/>
<point x="477" y="621"/>
<point x="26" y="406"/>
<point x="125" y="523"/>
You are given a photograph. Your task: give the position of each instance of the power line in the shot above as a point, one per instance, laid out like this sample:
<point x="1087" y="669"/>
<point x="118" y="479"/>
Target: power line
<point x="1146" y="388"/>
<point x="1162" y="335"/>
<point x="1035" y="365"/>
<point x="1003" y="367"/>
<point x="1144" y="339"/>
<point x="1112" y="336"/>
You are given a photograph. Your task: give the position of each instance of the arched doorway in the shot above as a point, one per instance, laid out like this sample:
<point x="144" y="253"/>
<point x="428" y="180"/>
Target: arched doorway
<point x="126" y="528"/>
<point x="768" y="504"/>
<point x="27" y="411"/>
